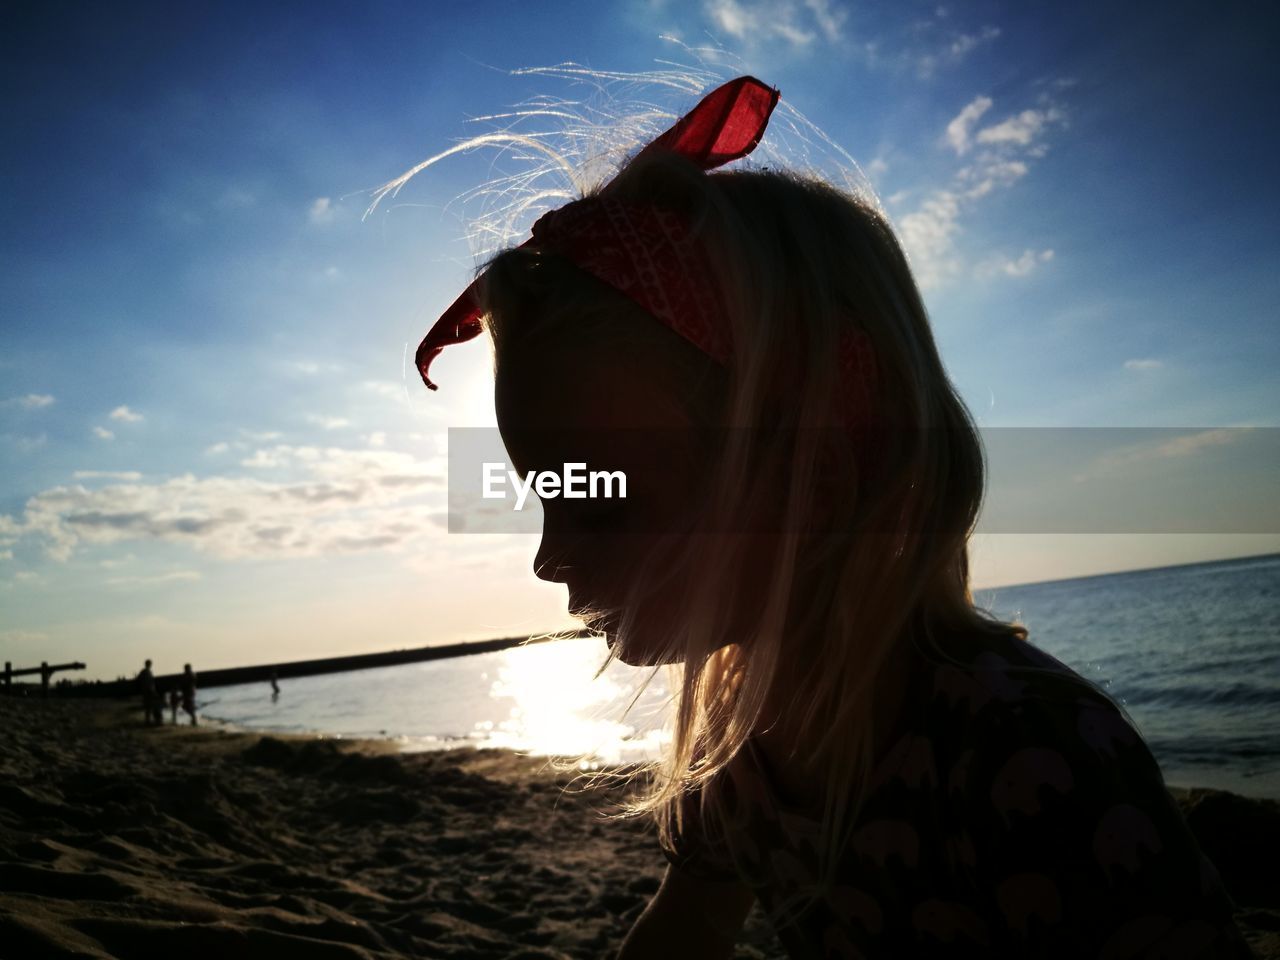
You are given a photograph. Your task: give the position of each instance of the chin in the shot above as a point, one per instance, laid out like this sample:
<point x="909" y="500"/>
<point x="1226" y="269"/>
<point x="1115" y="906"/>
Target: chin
<point x="634" y="652"/>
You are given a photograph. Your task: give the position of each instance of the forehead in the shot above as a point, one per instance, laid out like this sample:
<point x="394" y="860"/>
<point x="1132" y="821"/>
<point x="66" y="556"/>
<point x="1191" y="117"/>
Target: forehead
<point x="572" y="405"/>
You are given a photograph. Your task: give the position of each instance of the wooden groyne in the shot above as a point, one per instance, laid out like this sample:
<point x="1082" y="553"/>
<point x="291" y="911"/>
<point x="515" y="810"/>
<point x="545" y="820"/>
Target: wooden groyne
<point x="262" y="673"/>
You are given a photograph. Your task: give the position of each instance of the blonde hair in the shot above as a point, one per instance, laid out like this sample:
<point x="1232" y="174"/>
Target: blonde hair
<point x="892" y="564"/>
<point x="792" y="254"/>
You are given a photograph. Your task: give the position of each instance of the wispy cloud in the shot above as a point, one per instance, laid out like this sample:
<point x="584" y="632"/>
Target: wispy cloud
<point x="321" y="211"/>
<point x="829" y="18"/>
<point x="966" y="43"/>
<point x="387" y="389"/>
<point x="10" y="532"/>
<point x="934" y="42"/>
<point x="154" y="580"/>
<point x="1019" y="266"/>
<point x="958" y="129"/>
<point x="31" y="401"/>
<point x="328" y="423"/>
<point x="928" y="234"/>
<point x="1143" y="363"/>
<point x="1158" y="448"/>
<point x="1021" y="128"/>
<point x="995" y="156"/>
<point x="26" y="444"/>
<point x="17" y="637"/>
<point x="762" y="21"/>
<point x="125" y="415"/>
<point x="127" y="475"/>
<point x="102" y="433"/>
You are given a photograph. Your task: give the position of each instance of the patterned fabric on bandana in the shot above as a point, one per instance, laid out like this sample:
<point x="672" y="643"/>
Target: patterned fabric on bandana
<point x="650" y="256"/>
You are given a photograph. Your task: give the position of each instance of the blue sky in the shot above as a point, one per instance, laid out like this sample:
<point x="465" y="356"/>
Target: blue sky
<point x="210" y="445"/>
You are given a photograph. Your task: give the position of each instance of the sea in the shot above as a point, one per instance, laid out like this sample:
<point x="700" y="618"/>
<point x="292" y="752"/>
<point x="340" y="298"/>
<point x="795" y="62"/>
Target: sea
<point x="1191" y="652"/>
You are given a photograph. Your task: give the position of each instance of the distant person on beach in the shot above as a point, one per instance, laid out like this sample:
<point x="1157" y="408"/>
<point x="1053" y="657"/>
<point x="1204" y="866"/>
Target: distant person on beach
<point x="175" y="700"/>
<point x="275" y="686"/>
<point x="189" y="692"/>
<point x="888" y="769"/>
<point x="150" y="695"/>
<point x="45" y="674"/>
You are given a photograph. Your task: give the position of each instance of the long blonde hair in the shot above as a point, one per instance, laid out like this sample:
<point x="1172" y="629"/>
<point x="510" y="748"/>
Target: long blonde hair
<point x="891" y="567"/>
<point x="797" y="261"/>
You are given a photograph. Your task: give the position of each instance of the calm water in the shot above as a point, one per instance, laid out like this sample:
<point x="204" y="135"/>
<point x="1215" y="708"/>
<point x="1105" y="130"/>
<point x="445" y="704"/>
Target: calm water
<point x="1192" y="652"/>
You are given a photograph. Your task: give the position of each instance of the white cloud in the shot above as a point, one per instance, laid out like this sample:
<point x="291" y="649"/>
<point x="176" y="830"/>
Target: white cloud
<point x="1194" y="442"/>
<point x="387" y="389"/>
<point x="328" y="423"/>
<point x="10" y="532"/>
<point x="988" y="172"/>
<point x="102" y="433"/>
<point x="1021" y="128"/>
<point x="321" y="211"/>
<point x="730" y="17"/>
<point x="996" y="156"/>
<point x="830" y="18"/>
<point x="309" y="501"/>
<point x="965" y="43"/>
<point x="1145" y="451"/>
<point x="798" y="24"/>
<point x="958" y="129"/>
<point x="1143" y="363"/>
<point x="173" y="576"/>
<point x="125" y="415"/>
<point x="215" y="449"/>
<point x="377" y="439"/>
<point x="26" y="443"/>
<point x="32" y="401"/>
<point x="107" y="475"/>
<point x="16" y="637"/>
<point x="928" y="236"/>
<point x="1016" y="267"/>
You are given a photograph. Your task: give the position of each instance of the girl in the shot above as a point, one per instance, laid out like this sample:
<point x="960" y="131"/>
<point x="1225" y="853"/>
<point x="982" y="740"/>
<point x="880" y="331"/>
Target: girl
<point x="889" y="770"/>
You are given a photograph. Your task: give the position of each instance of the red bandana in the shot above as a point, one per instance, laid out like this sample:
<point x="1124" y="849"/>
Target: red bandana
<point x="646" y="253"/>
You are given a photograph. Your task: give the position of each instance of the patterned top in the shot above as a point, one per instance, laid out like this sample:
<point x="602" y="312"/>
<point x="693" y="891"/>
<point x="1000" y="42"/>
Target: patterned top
<point x="1018" y="815"/>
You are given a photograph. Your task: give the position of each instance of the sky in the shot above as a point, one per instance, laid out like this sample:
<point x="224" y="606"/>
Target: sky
<point x="213" y="451"/>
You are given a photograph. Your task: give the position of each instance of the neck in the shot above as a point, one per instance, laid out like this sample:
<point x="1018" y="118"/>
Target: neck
<point x="780" y="737"/>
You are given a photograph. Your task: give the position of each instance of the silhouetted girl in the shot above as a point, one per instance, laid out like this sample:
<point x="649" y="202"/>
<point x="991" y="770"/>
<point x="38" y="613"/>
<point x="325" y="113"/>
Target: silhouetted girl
<point x="890" y="770"/>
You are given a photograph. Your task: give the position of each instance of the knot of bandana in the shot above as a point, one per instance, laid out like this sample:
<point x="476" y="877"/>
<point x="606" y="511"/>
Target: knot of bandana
<point x="648" y="254"/>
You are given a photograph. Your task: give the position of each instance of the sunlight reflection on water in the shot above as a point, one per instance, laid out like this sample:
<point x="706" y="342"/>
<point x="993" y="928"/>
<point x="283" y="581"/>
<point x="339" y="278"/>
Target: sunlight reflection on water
<point x="540" y="699"/>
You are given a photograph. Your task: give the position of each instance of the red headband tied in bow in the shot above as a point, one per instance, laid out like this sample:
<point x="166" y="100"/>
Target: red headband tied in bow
<point x="647" y="254"/>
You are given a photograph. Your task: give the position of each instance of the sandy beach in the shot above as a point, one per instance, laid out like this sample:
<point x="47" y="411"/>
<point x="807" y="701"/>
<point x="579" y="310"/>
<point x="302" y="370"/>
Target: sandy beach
<point x="118" y="840"/>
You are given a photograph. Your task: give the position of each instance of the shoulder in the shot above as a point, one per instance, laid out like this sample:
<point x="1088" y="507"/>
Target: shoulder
<point x="1075" y="836"/>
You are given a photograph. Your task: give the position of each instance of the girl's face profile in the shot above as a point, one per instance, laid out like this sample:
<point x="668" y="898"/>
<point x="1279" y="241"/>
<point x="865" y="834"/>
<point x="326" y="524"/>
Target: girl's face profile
<point x="615" y="417"/>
